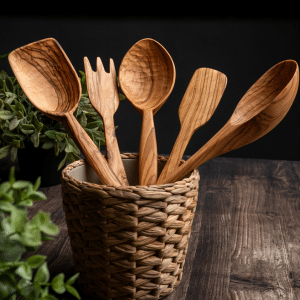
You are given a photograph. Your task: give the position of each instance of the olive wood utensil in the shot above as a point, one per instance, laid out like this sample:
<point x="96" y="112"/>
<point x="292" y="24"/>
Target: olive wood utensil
<point x="261" y="109"/>
<point x="104" y="96"/>
<point x="147" y="77"/>
<point x="50" y="82"/>
<point x="199" y="102"/>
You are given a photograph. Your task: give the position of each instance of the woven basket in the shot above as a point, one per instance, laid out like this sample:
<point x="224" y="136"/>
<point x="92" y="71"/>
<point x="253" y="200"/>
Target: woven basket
<point x="128" y="242"/>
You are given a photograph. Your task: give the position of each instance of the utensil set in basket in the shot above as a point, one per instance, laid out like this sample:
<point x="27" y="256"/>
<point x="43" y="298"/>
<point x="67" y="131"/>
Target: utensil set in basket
<point x="147" y="76"/>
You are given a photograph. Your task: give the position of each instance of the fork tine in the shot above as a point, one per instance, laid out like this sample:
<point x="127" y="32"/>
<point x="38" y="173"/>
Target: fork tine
<point x="112" y="69"/>
<point x="87" y="66"/>
<point x="100" y="67"/>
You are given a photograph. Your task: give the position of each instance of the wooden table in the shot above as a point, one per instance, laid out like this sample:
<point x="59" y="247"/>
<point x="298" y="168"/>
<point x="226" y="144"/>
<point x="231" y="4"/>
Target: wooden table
<point x="245" y="236"/>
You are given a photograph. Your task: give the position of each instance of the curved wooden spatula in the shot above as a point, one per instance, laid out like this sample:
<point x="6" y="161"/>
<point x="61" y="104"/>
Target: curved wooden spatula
<point x="261" y="109"/>
<point x="50" y="82"/>
<point x="104" y="97"/>
<point x="199" y="102"/>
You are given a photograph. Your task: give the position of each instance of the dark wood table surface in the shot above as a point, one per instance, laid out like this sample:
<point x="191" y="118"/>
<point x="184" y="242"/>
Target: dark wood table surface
<point x="245" y="241"/>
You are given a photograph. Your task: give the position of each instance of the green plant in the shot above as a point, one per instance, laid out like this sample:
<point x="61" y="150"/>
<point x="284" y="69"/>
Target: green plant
<point x="28" y="278"/>
<point x="21" y="122"/>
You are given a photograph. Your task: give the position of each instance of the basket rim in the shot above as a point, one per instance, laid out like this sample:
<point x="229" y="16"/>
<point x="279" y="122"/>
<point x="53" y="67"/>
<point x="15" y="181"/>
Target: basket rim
<point x="65" y="174"/>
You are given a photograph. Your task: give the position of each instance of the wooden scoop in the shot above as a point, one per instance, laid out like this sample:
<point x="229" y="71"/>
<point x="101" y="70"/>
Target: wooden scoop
<point x="199" y="102"/>
<point x="104" y="97"/>
<point x="261" y="109"/>
<point x="147" y="77"/>
<point x="50" y="82"/>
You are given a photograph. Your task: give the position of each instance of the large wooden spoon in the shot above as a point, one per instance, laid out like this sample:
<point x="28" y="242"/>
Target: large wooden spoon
<point x="261" y="109"/>
<point x="104" y="96"/>
<point x="199" y="102"/>
<point x="147" y="77"/>
<point x="50" y="82"/>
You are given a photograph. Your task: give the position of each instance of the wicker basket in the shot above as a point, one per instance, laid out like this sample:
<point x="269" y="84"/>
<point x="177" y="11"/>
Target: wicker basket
<point x="128" y="242"/>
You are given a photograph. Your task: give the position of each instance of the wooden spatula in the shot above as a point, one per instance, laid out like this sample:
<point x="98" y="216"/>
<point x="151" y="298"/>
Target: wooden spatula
<point x="197" y="106"/>
<point x="104" y="97"/>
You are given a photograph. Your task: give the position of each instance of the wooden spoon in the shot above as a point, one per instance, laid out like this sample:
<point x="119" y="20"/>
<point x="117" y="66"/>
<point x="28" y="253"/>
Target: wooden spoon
<point x="196" y="108"/>
<point x="263" y="106"/>
<point x="50" y="82"/>
<point x="104" y="97"/>
<point x="147" y="77"/>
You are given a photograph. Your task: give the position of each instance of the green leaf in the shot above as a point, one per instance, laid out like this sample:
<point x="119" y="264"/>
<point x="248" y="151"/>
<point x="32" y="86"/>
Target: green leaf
<point x="13" y="153"/>
<point x="4" y="187"/>
<point x="21" y="184"/>
<point x="6" y="206"/>
<point x="62" y="163"/>
<point x="51" y="134"/>
<point x="18" y="219"/>
<point x="60" y="136"/>
<point x="42" y="275"/>
<point x="3" y="56"/>
<point x="6" y="115"/>
<point x="4" y="151"/>
<point x="57" y="284"/>
<point x="30" y="292"/>
<point x="71" y="157"/>
<point x="35" y="138"/>
<point x="38" y="125"/>
<point x="48" y="145"/>
<point x="122" y="97"/>
<point x="72" y="279"/>
<point x="8" y="286"/>
<point x="14" y="123"/>
<point x="73" y="291"/>
<point x="24" y="271"/>
<point x="35" y="261"/>
<point x="19" y="107"/>
<point x="9" y="84"/>
<point x="37" y="196"/>
<point x="37" y="183"/>
<point x="82" y="120"/>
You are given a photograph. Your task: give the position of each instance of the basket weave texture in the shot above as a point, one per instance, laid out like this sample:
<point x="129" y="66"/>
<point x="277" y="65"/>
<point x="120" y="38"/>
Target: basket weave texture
<point x="129" y="242"/>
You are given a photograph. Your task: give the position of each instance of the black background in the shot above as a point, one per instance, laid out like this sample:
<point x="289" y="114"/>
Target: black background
<point x="242" y="48"/>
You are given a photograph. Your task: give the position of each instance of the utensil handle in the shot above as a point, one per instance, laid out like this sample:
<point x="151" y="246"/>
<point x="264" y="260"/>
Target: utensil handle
<point x="113" y="155"/>
<point x="217" y="145"/>
<point x="148" y="150"/>
<point x="91" y="152"/>
<point x="179" y="147"/>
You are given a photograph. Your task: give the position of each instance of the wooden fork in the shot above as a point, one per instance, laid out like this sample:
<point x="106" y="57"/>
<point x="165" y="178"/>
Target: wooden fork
<point x="104" y="96"/>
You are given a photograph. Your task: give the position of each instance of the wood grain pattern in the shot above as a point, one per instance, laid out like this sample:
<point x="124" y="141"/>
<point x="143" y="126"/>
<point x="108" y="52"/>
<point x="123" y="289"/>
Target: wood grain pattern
<point x="197" y="106"/>
<point x="104" y="97"/>
<point x="50" y="82"/>
<point x="245" y="235"/>
<point x="147" y="77"/>
<point x="261" y="109"/>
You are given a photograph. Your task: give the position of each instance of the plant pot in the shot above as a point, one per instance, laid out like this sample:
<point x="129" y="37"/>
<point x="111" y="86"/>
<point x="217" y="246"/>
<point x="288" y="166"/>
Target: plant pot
<point x="35" y="162"/>
<point x="128" y="242"/>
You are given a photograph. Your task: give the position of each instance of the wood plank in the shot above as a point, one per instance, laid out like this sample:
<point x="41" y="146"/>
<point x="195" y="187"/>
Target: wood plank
<point x="211" y="266"/>
<point x="260" y="263"/>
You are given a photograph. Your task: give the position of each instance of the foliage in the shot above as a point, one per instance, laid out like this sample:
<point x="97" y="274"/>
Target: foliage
<point x="28" y="278"/>
<point x="21" y="122"/>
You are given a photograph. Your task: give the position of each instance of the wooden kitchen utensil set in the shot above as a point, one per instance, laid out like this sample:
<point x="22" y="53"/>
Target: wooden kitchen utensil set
<point x="147" y="76"/>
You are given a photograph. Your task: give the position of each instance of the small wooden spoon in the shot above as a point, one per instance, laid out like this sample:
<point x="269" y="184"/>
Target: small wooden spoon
<point x="261" y="109"/>
<point x="147" y="77"/>
<point x="104" y="97"/>
<point x="50" y="82"/>
<point x="199" y="102"/>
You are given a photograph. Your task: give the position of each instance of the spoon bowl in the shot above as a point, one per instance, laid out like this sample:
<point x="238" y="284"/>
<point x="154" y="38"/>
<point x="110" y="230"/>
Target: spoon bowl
<point x="147" y="77"/>
<point x="50" y="82"/>
<point x="260" y="110"/>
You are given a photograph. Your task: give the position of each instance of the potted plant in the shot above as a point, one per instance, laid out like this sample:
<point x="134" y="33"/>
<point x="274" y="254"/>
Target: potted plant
<point x="41" y="145"/>
<point x="28" y="278"/>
